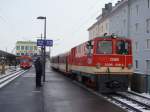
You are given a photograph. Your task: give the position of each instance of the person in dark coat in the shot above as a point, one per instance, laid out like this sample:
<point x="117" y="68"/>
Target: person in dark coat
<point x="38" y="70"/>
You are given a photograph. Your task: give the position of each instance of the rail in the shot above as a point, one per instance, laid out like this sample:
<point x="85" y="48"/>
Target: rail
<point x="130" y="102"/>
<point x="4" y="80"/>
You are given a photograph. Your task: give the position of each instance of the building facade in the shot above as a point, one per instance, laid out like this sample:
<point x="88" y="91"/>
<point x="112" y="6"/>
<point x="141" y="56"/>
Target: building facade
<point x="139" y="27"/>
<point x="28" y="48"/>
<point x="128" y="18"/>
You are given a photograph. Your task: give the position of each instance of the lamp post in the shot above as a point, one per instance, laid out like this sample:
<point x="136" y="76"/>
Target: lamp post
<point x="44" y="50"/>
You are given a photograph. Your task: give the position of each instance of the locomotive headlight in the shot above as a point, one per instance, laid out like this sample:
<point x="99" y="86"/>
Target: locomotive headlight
<point x="129" y="66"/>
<point x="98" y="65"/>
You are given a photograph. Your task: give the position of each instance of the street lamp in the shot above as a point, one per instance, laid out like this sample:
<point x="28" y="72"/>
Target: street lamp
<point x="44" y="50"/>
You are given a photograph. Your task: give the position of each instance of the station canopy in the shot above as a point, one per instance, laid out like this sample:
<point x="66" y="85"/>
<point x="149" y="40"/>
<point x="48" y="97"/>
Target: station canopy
<point x="4" y="54"/>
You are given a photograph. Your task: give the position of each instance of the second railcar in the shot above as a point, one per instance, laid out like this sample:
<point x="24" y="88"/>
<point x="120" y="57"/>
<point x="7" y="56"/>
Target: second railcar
<point x="25" y="62"/>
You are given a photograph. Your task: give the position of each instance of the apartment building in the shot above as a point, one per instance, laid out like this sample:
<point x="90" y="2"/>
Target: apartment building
<point x="128" y="18"/>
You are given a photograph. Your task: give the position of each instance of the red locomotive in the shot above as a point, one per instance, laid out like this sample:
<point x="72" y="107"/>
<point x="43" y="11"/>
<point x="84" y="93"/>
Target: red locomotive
<point x="104" y="63"/>
<point x="25" y="62"/>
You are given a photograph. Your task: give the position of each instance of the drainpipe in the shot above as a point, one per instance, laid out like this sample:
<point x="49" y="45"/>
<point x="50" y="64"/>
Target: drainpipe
<point x="128" y="30"/>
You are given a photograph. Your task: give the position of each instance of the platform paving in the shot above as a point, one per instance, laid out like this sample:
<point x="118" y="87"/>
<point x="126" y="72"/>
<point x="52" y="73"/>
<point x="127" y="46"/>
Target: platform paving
<point x="58" y="94"/>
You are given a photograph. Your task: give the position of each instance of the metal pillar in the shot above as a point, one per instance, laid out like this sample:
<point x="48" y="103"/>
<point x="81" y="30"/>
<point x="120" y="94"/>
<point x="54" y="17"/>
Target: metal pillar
<point x="44" y="60"/>
<point x="43" y="47"/>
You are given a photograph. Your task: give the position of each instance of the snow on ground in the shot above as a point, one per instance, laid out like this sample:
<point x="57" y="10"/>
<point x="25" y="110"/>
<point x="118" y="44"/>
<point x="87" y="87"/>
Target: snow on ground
<point x="146" y="94"/>
<point x="142" y="94"/>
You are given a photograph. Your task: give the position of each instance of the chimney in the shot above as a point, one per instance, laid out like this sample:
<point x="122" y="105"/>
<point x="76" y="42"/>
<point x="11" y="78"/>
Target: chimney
<point x="117" y="3"/>
<point x="109" y="6"/>
<point x="103" y="11"/>
<point x="106" y="6"/>
<point x="107" y="9"/>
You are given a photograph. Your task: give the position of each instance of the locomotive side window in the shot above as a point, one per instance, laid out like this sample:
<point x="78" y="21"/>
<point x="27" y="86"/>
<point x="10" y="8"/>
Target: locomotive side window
<point x="122" y="47"/>
<point x="104" y="47"/>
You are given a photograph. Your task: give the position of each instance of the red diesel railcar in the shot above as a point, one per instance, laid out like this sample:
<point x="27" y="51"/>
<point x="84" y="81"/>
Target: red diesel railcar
<point x="104" y="63"/>
<point x="25" y="62"/>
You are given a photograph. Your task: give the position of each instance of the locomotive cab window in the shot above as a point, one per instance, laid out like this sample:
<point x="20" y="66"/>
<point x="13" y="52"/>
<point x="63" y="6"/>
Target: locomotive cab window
<point x="104" y="47"/>
<point x="122" y="47"/>
<point x="89" y="48"/>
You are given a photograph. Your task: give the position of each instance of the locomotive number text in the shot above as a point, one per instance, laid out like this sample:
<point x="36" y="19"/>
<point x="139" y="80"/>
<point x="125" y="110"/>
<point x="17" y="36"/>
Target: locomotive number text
<point x="114" y="59"/>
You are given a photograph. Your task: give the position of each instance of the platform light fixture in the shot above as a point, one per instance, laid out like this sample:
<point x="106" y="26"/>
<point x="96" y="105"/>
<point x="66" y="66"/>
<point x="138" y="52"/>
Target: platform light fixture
<point x="44" y="50"/>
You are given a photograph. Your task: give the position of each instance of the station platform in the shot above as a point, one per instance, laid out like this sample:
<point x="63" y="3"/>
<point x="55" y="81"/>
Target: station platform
<point x="58" y="94"/>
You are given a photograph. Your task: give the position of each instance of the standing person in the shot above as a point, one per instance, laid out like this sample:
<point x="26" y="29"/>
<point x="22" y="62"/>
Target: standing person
<point x="38" y="69"/>
<point x="3" y="67"/>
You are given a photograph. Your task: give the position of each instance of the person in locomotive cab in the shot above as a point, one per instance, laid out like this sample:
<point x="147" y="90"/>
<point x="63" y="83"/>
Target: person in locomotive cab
<point x="38" y="70"/>
<point x="123" y="48"/>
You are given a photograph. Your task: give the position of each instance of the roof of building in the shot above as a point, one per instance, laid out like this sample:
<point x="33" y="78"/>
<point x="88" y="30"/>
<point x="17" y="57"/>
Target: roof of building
<point x="102" y="16"/>
<point x="6" y="54"/>
<point x="25" y="42"/>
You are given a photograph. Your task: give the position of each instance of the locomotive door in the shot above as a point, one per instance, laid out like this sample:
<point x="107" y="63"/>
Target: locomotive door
<point x="73" y="56"/>
<point x="66" y="63"/>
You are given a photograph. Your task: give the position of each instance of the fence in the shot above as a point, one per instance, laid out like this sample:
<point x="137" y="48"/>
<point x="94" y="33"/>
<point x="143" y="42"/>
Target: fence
<point x="140" y="83"/>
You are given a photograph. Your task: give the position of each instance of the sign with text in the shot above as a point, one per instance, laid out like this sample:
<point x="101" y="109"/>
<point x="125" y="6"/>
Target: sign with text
<point x="48" y="42"/>
<point x="41" y="42"/>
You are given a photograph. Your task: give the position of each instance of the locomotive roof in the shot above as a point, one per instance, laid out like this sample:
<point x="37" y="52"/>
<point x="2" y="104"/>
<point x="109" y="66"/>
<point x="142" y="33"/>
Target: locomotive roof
<point x="111" y="36"/>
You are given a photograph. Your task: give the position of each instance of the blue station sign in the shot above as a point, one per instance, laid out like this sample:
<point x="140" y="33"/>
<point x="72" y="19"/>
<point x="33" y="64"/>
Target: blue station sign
<point x="41" y="42"/>
<point x="48" y="42"/>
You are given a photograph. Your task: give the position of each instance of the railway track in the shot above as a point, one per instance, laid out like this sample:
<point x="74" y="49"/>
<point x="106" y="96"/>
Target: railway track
<point x="4" y="80"/>
<point x="130" y="102"/>
<point x="139" y="95"/>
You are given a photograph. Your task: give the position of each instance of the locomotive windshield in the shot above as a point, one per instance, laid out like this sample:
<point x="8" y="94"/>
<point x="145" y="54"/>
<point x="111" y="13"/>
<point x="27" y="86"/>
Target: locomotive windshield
<point x="104" y="47"/>
<point x="24" y="60"/>
<point x="122" y="47"/>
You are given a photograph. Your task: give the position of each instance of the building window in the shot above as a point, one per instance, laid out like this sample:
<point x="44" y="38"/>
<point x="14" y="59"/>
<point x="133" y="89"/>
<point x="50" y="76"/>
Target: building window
<point x="96" y="31"/>
<point x="106" y="26"/>
<point x="101" y="29"/>
<point x="93" y="33"/>
<point x="136" y="46"/>
<point x="22" y="47"/>
<point x="148" y="2"/>
<point x="148" y="25"/>
<point x="22" y="54"/>
<point x="136" y="64"/>
<point x="137" y="10"/>
<point x="124" y="23"/>
<point x="136" y="27"/>
<point x="130" y="11"/>
<point x="148" y="66"/>
<point x="18" y="54"/>
<point x="31" y="48"/>
<point x="124" y="11"/>
<point x="26" y="47"/>
<point x="18" y="47"/>
<point x="148" y="43"/>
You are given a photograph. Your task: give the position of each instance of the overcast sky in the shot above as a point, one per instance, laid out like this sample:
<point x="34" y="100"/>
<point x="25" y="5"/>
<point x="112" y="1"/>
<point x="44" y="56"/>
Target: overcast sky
<point x="67" y="21"/>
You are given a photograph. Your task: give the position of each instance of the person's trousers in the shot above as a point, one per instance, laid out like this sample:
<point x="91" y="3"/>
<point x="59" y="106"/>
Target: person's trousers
<point x="38" y="80"/>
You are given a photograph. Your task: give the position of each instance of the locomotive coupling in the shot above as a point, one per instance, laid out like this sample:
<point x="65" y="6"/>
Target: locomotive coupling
<point x="113" y="84"/>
